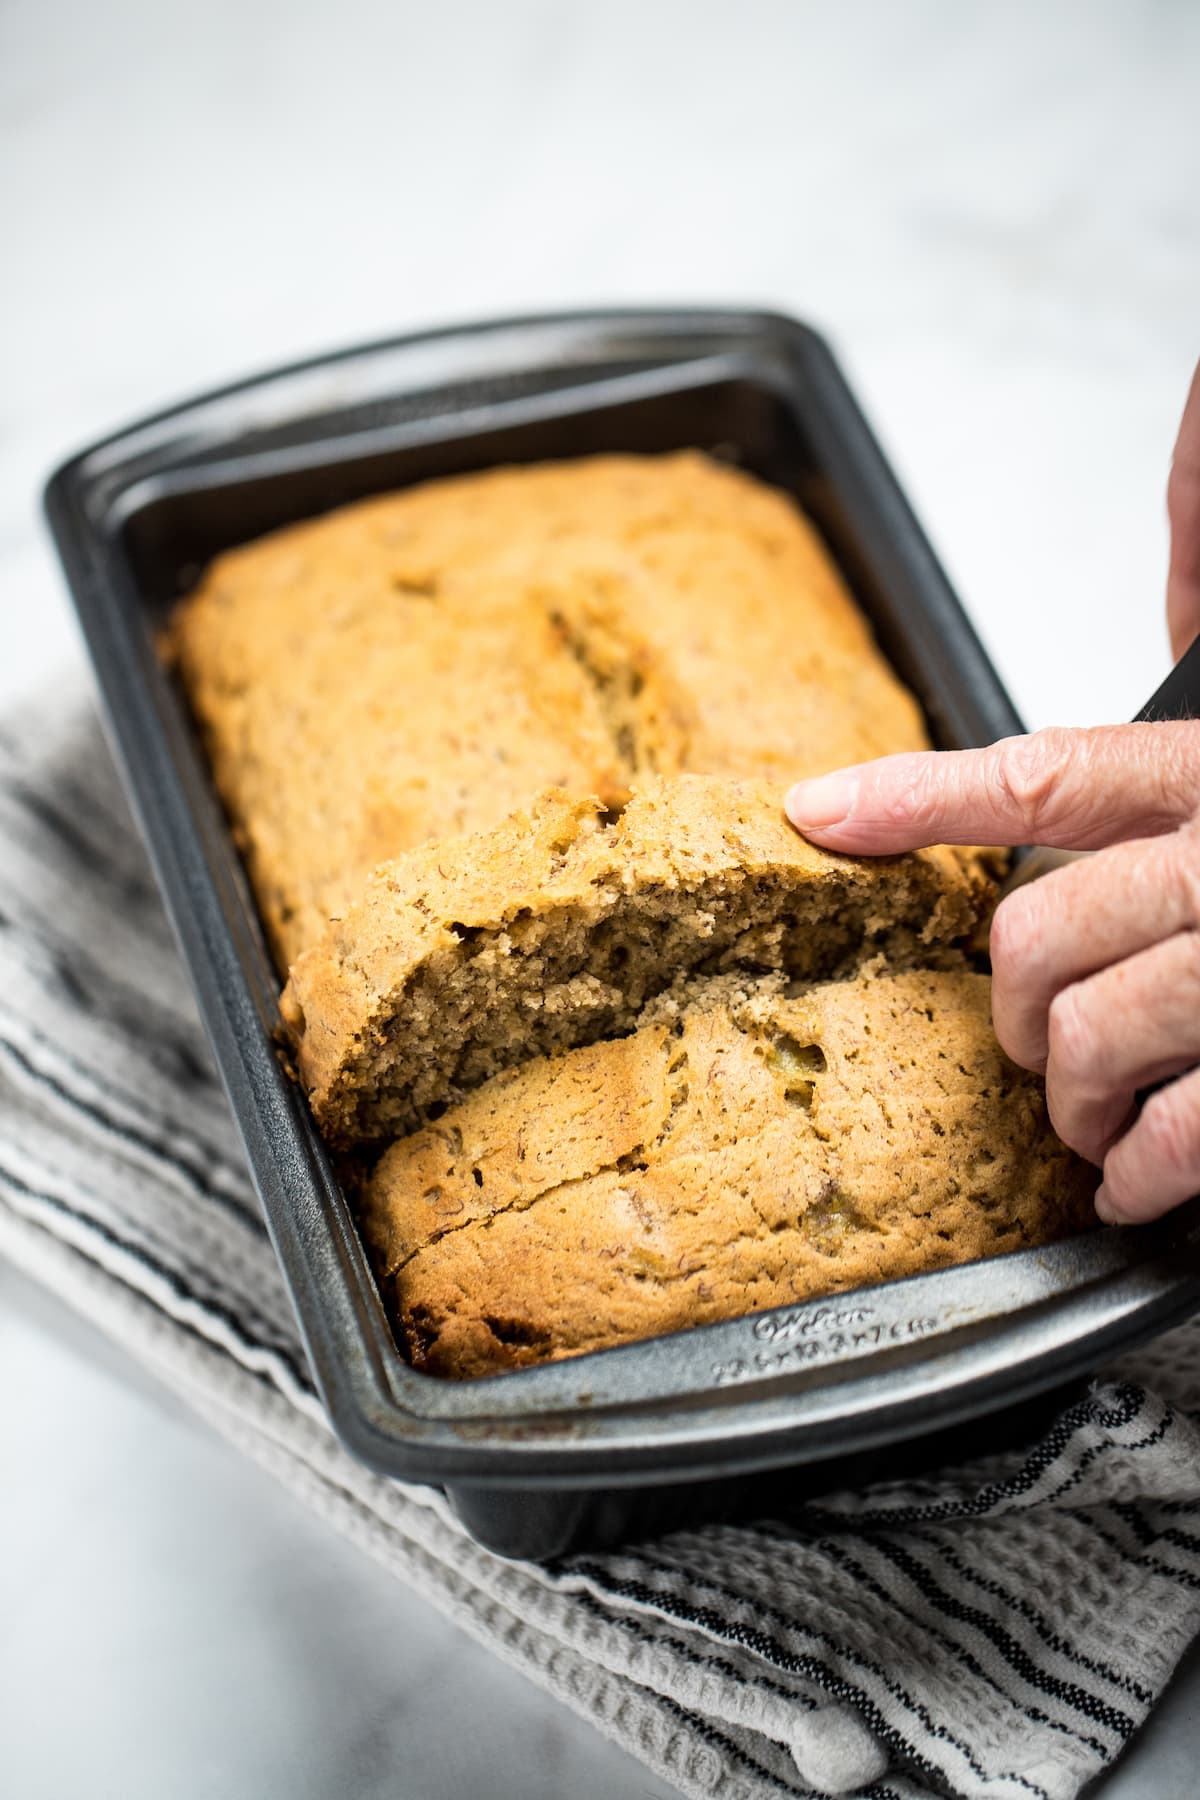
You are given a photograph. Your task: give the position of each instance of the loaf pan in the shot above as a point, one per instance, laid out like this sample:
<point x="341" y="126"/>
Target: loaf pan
<point x="617" y="1442"/>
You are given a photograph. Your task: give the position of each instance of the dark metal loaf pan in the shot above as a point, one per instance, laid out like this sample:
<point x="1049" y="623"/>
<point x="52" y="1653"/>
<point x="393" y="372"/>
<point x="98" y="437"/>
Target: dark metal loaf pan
<point x="604" y="1445"/>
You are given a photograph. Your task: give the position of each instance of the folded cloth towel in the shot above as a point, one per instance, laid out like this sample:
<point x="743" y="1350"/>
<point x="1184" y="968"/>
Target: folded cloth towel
<point x="999" y="1630"/>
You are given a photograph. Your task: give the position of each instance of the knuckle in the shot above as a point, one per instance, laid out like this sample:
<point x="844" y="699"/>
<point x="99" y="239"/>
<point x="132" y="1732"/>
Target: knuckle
<point x="1026" y="770"/>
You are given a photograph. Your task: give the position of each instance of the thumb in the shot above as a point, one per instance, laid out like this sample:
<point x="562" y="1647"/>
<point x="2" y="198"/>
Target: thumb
<point x="1077" y="790"/>
<point x="1183" y="510"/>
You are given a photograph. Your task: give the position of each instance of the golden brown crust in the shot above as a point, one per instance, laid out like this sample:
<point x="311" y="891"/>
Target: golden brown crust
<point x="754" y="1152"/>
<point x="556" y="927"/>
<point x="417" y="666"/>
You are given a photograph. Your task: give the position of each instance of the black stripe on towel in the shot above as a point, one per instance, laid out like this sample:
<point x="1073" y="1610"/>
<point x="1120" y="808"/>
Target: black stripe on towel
<point x="138" y="1254"/>
<point x="1067" y="1693"/>
<point x="988" y="1584"/>
<point x="706" y="1618"/>
<point x="1152" y="1563"/>
<point x="815" y="1521"/>
<point x="635" y="1627"/>
<point x="190" y="1170"/>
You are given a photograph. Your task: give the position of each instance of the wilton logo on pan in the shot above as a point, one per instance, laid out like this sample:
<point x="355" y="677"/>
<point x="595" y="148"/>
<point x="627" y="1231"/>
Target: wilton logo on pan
<point x="795" y="1339"/>
<point x="777" y="1328"/>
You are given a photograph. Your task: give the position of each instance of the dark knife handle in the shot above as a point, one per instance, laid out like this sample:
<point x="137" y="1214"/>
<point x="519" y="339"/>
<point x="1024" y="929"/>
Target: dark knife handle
<point x="1179" y="695"/>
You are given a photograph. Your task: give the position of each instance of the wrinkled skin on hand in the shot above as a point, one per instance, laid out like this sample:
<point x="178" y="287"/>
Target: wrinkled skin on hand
<point x="1096" y="967"/>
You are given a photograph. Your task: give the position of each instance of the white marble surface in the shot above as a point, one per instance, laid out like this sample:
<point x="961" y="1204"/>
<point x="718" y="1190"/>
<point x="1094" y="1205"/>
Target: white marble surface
<point x="996" y="218"/>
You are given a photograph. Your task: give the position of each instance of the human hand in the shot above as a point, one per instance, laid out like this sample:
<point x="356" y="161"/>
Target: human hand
<point x="1183" y="510"/>
<point x="1096" y="967"/>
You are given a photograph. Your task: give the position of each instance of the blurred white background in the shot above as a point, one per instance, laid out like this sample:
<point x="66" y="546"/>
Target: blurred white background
<point x="994" y="212"/>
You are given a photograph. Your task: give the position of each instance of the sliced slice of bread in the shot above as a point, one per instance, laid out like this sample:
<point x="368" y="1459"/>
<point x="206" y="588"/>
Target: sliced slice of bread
<point x="468" y="955"/>
<point x="741" y="1150"/>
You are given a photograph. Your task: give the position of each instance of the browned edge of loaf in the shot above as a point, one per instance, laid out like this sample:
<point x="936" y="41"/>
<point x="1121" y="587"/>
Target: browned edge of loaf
<point x="468" y="955"/>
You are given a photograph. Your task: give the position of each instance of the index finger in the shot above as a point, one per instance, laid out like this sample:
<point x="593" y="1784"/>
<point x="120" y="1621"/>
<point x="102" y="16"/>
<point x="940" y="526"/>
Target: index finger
<point x="1075" y="790"/>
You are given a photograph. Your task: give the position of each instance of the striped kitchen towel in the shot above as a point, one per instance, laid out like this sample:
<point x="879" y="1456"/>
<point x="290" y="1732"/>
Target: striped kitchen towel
<point x="997" y="1631"/>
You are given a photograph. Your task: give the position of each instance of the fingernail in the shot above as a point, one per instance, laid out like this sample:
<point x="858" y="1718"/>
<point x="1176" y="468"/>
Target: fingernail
<point x="1105" y="1210"/>
<point x="826" y="801"/>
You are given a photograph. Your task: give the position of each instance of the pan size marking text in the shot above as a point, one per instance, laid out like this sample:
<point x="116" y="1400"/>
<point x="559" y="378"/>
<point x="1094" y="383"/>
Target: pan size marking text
<point x="797" y="1340"/>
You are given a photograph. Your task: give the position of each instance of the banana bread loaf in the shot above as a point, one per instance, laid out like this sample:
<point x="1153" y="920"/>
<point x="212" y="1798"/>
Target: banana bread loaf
<point x="417" y="666"/>
<point x="505" y="757"/>
<point x="743" y="1150"/>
